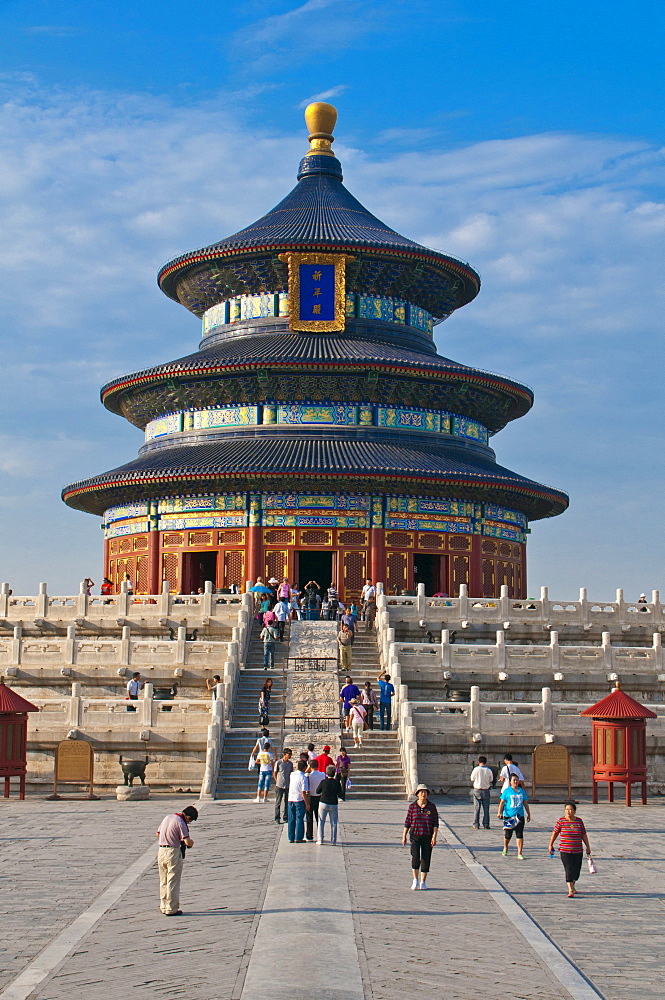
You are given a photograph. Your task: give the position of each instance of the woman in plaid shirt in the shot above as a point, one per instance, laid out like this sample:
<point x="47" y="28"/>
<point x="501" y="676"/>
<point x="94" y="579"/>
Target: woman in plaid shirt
<point x="422" y="825"/>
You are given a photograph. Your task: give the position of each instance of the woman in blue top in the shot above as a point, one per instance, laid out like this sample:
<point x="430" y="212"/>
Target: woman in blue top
<point x="512" y="807"/>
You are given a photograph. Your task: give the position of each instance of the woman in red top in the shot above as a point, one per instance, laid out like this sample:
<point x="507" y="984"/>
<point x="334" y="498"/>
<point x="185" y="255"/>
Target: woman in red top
<point x="573" y="835"/>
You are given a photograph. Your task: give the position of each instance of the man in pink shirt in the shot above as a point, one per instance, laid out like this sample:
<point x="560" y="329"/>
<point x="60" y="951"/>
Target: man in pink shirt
<point x="173" y="838"/>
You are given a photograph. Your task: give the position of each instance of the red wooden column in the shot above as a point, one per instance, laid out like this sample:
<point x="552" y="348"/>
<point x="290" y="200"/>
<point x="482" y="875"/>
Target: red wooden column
<point x="377" y="555"/>
<point x="154" y="581"/>
<point x="254" y="543"/>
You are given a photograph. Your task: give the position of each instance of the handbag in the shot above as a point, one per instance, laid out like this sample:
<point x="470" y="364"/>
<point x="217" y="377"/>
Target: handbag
<point x="592" y="867"/>
<point x="252" y="762"/>
<point x="510" y="822"/>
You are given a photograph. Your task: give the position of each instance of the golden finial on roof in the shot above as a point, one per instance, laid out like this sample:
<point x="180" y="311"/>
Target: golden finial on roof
<point x="617" y="685"/>
<point x="320" y="119"/>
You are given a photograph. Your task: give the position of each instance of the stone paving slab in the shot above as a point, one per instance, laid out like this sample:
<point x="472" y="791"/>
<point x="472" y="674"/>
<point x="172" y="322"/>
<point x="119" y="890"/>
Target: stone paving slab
<point x="614" y="929"/>
<point x="451" y="938"/>
<point x="57" y="858"/>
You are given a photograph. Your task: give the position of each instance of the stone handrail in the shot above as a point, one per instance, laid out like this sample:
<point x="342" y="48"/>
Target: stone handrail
<point x="402" y="707"/>
<point x="545" y="719"/>
<point x="56" y="651"/>
<point x="214" y="746"/>
<point x="462" y="611"/>
<point x="91" y="714"/>
<point x="237" y="655"/>
<point x="447" y="659"/>
<point x="165" y="609"/>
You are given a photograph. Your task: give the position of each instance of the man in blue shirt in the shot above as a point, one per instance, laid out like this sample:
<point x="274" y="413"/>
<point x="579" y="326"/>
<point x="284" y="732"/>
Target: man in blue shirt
<point x="387" y="692"/>
<point x="349" y="691"/>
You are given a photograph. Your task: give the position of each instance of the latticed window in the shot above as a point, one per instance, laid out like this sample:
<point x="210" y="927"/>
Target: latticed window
<point x="276" y="564"/>
<point x="174" y="538"/>
<point x="460" y="571"/>
<point x="231" y="537"/>
<point x="488" y="578"/>
<point x="200" y="538"/>
<point x="352" y="537"/>
<point x="354" y="572"/>
<point x="400" y="539"/>
<point x="459" y="542"/>
<point x="113" y="547"/>
<point x="396" y="568"/>
<point x="517" y="552"/>
<point x="316" y="537"/>
<point x="489" y="545"/>
<point x="431" y="541"/>
<point x="142" y="564"/>
<point x="234" y="568"/>
<point x="279" y="537"/>
<point x="126" y="545"/>
<point x="140" y="543"/>
<point x="505" y="574"/>
<point x="170" y="569"/>
<point x="505" y="549"/>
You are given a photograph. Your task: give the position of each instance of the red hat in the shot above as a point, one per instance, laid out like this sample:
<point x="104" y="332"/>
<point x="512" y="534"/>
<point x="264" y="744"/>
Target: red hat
<point x="326" y="749"/>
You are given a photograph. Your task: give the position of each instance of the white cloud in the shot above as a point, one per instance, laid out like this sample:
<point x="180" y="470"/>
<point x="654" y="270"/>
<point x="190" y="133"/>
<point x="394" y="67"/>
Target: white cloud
<point x="325" y="95"/>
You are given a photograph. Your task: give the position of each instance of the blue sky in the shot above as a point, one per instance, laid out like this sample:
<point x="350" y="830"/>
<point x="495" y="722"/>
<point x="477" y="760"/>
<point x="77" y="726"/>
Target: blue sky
<point x="526" y="138"/>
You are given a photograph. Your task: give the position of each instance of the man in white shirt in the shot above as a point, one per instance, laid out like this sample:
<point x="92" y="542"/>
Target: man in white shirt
<point x="508" y="769"/>
<point x="481" y="779"/>
<point x="368" y="593"/>
<point x="312" y="816"/>
<point x="282" y="611"/>
<point x="298" y="803"/>
<point x="133" y="688"/>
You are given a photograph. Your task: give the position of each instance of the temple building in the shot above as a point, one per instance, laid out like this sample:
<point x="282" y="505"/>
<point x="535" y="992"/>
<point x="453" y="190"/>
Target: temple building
<point x="317" y="433"/>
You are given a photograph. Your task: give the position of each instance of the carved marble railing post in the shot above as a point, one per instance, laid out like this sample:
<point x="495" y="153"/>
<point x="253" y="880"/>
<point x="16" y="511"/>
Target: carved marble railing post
<point x="446" y="655"/>
<point x="474" y="709"/>
<point x="4" y="600"/>
<point x="82" y="600"/>
<point x="206" y="602"/>
<point x="555" y="651"/>
<point x="147" y="705"/>
<point x="17" y="645"/>
<point x="544" y="603"/>
<point x="70" y="645"/>
<point x="584" y="606"/>
<point x="75" y="714"/>
<point x="659" y="661"/>
<point x="500" y="650"/>
<point x="165" y="599"/>
<point x="620" y="603"/>
<point x="504" y="603"/>
<point x="608" y="663"/>
<point x="41" y="604"/>
<point x="463" y="601"/>
<point x="123" y="600"/>
<point x="181" y="645"/>
<point x="420" y="600"/>
<point x="126" y="646"/>
<point x="546" y="706"/>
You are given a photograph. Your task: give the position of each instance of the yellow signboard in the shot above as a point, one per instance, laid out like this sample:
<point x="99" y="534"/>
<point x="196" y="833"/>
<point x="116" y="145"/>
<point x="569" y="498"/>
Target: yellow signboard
<point x="74" y="761"/>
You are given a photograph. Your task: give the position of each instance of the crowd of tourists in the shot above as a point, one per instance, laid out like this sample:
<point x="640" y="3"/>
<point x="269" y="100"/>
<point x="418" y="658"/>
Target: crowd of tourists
<point x="307" y="796"/>
<point x="307" y="790"/>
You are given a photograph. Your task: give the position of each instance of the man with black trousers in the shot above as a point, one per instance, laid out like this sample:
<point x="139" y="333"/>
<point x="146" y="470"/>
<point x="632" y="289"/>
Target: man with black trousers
<point x="312" y="814"/>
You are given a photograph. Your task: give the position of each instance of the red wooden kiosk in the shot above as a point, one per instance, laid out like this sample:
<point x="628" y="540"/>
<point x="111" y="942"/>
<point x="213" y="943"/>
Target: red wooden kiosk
<point x="618" y="740"/>
<point x="13" y="736"/>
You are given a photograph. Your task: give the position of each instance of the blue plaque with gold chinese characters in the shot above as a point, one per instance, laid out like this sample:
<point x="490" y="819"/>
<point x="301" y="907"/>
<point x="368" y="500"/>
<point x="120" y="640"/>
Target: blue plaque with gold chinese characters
<point x="317" y="301"/>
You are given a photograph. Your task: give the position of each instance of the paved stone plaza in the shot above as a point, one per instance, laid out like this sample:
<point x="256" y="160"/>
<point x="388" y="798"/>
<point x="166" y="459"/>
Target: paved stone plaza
<point x="263" y="918"/>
